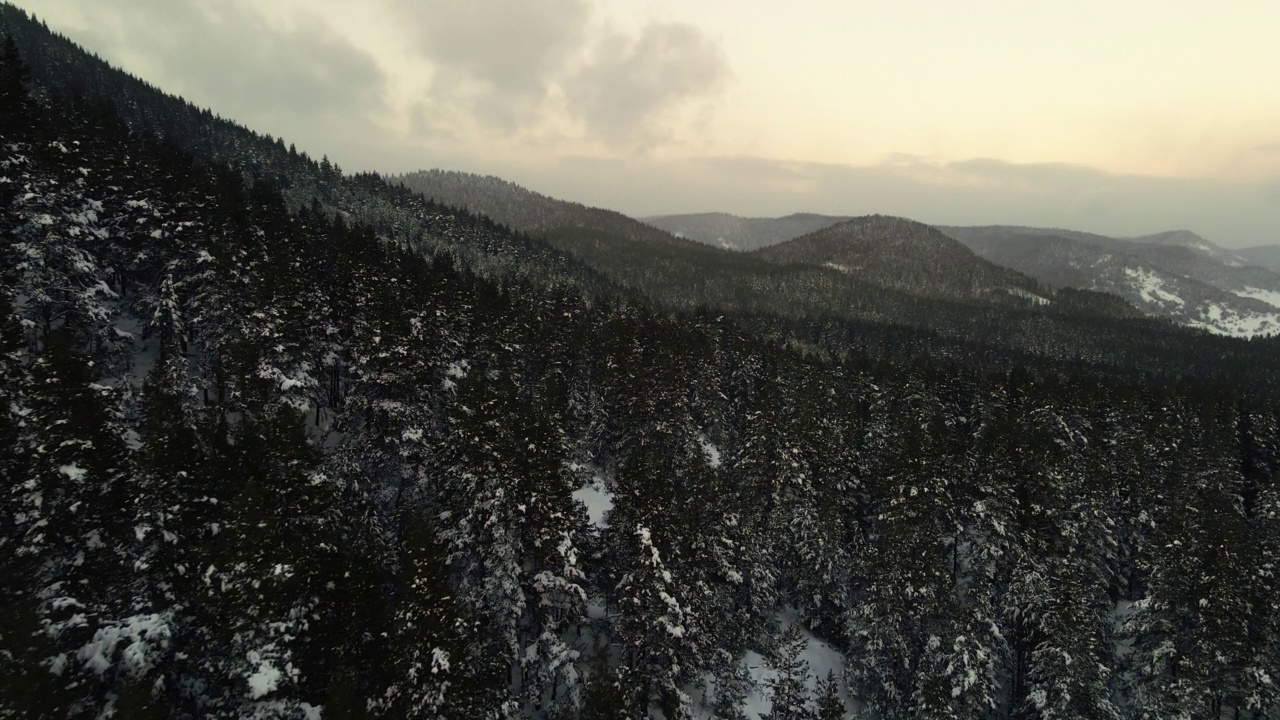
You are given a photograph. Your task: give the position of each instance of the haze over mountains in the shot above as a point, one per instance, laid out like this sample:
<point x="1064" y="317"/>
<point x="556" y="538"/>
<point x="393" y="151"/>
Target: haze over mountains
<point x="738" y="233"/>
<point x="1178" y="274"/>
<point x="1267" y="256"/>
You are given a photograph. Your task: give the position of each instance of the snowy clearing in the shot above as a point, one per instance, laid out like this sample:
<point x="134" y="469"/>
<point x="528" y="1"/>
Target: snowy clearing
<point x="1226" y="321"/>
<point x="1151" y="288"/>
<point x="1027" y="295"/>
<point x="820" y="657"/>
<point x="595" y="495"/>
<point x="1270" y="297"/>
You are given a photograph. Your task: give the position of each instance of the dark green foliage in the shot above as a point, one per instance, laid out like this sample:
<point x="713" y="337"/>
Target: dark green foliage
<point x="15" y="99"/>
<point x="830" y="705"/>
<point x="603" y="698"/>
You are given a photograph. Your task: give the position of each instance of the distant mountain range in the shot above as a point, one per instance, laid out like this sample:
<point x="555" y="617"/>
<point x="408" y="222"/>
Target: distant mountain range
<point x="1177" y="274"/>
<point x="889" y="271"/>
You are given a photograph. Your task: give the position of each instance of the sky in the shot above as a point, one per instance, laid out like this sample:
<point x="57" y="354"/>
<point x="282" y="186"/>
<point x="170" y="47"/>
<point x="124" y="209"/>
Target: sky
<point x="1123" y="117"/>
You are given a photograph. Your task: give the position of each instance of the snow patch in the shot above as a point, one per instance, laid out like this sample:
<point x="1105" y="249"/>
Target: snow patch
<point x="710" y="452"/>
<point x="73" y="472"/>
<point x="1270" y="297"/>
<point x="595" y="495"/>
<point x="1227" y="321"/>
<point x="145" y="635"/>
<point x="821" y="658"/>
<point x="1027" y="295"/>
<point x="265" y="680"/>
<point x="1151" y="287"/>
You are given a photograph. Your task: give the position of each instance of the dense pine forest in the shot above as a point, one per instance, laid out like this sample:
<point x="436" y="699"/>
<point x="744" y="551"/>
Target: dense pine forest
<point x="280" y="442"/>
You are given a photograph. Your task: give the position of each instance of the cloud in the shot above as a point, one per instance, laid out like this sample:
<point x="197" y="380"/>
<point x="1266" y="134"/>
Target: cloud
<point x="515" y="46"/>
<point x="516" y="65"/>
<point x="630" y="81"/>
<point x="495" y="59"/>
<point x="226" y="56"/>
<point x="1027" y="176"/>
<point x="526" y="88"/>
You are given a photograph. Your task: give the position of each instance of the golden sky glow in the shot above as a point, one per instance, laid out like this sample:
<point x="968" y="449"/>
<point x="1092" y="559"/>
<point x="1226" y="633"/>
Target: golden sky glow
<point x="535" y="90"/>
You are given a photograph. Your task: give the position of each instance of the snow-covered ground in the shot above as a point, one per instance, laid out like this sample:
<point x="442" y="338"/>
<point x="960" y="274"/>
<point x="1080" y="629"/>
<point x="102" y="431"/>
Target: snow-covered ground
<point x="820" y="657"/>
<point x="1212" y="316"/>
<point x="710" y="452"/>
<point x="1226" y="321"/>
<point x="595" y="494"/>
<point x="1151" y="287"/>
<point x="1027" y="295"/>
<point x="1270" y="297"/>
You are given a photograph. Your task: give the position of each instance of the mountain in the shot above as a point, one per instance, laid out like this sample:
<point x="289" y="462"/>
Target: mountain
<point x="282" y="443"/>
<point x="1195" y="243"/>
<point x="1173" y="275"/>
<point x="738" y="233"/>
<point x="1267" y="256"/>
<point x="1177" y="275"/>
<point x="528" y="211"/>
<point x="933" y="284"/>
<point x="898" y="253"/>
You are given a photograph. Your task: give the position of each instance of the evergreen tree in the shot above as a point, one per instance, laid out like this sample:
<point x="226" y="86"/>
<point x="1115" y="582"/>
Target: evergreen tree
<point x="15" y="101"/>
<point x="789" y="688"/>
<point x="830" y="705"/>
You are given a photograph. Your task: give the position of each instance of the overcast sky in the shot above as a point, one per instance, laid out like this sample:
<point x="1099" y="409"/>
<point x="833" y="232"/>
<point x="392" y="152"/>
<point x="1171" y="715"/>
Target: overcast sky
<point x="1113" y="116"/>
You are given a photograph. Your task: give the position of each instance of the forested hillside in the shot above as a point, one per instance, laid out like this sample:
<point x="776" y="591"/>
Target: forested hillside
<point x="280" y="443"/>
<point x="873" y="282"/>
<point x="1177" y="275"/>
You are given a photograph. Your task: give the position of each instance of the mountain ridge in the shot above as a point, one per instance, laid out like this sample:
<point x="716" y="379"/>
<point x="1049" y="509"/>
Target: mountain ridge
<point x="897" y="252"/>
<point x="1228" y="294"/>
<point x="1176" y="275"/>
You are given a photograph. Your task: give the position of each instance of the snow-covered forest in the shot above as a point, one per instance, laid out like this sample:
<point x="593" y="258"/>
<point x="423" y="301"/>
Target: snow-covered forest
<point x="279" y="442"/>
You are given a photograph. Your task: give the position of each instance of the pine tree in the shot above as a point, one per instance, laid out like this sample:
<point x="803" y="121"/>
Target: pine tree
<point x="789" y="688"/>
<point x="830" y="705"/>
<point x="429" y="663"/>
<point x="733" y="686"/>
<point x="603" y="698"/>
<point x="15" y="101"/>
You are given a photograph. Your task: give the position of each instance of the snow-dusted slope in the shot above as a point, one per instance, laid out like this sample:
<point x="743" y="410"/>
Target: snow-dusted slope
<point x="1177" y="275"/>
